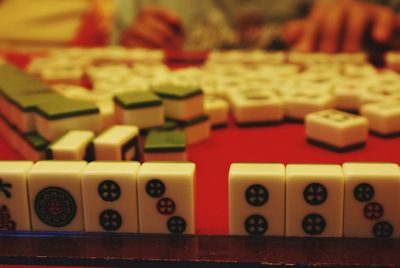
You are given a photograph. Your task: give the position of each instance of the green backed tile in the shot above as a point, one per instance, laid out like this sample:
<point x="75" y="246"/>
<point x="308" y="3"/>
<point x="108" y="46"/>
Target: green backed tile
<point x="177" y="92"/>
<point x="192" y="121"/>
<point x="135" y="100"/>
<point x="36" y="141"/>
<point x="14" y="80"/>
<point x="64" y="108"/>
<point x="165" y="141"/>
<point x="168" y="125"/>
<point x="28" y="101"/>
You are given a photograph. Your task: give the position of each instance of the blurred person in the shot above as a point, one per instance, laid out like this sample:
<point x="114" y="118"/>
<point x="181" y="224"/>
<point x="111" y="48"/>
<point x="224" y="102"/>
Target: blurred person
<point x="50" y="23"/>
<point x="328" y="26"/>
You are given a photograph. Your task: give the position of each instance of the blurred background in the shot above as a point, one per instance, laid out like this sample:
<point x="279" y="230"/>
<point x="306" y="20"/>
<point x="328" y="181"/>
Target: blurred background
<point x="304" y="25"/>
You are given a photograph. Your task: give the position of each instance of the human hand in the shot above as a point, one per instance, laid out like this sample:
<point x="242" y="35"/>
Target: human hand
<point x="154" y="27"/>
<point x="341" y="25"/>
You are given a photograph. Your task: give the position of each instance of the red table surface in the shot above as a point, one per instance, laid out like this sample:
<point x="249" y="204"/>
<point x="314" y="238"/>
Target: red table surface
<point x="284" y="143"/>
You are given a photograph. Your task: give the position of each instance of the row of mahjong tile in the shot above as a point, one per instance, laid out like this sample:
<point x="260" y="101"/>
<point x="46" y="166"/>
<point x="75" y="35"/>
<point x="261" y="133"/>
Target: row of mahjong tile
<point x="73" y="196"/>
<point x="352" y="200"/>
<point x="258" y="107"/>
<point x="320" y="200"/>
<point x="119" y="142"/>
<point x="35" y="108"/>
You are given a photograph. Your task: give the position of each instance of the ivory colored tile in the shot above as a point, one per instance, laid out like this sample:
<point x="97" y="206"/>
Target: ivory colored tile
<point x="256" y="107"/>
<point x="54" y="119"/>
<point x="181" y="103"/>
<point x="23" y="107"/>
<point x="217" y="110"/>
<point x="166" y="193"/>
<point x="75" y="145"/>
<point x="383" y="118"/>
<point x="14" y="203"/>
<point x="336" y="130"/>
<point x="120" y="142"/>
<point x="314" y="200"/>
<point x="380" y="93"/>
<point x="107" y="113"/>
<point x="196" y="129"/>
<point x="371" y="200"/>
<point x="110" y="197"/>
<point x="299" y="104"/>
<point x="257" y="199"/>
<point x="348" y="96"/>
<point x="141" y="109"/>
<point x="165" y="146"/>
<point x="55" y="195"/>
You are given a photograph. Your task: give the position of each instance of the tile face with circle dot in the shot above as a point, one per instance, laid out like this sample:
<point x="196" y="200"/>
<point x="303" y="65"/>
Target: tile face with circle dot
<point x="372" y="203"/>
<point x="257" y="199"/>
<point x="166" y="197"/>
<point x="55" y="195"/>
<point x="314" y="200"/>
<point x="336" y="130"/>
<point x="110" y="197"/>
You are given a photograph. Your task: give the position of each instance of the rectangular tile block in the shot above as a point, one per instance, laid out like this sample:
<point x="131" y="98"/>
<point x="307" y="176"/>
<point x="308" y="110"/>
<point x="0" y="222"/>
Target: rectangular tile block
<point x="257" y="199"/>
<point x="314" y="200"/>
<point x="217" y="110"/>
<point x="336" y="130"/>
<point x="54" y="119"/>
<point x="110" y="197"/>
<point x="55" y="195"/>
<point x="298" y="104"/>
<point x="166" y="193"/>
<point x="75" y="145"/>
<point x="14" y="203"/>
<point x="120" y="142"/>
<point x="371" y="207"/>
<point x="180" y="102"/>
<point x="383" y="118"/>
<point x="141" y="109"/>
<point x="23" y="107"/>
<point x="165" y="146"/>
<point x="196" y="129"/>
<point x="252" y="107"/>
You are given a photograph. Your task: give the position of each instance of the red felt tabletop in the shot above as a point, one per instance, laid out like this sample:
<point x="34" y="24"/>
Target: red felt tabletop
<point x="283" y="143"/>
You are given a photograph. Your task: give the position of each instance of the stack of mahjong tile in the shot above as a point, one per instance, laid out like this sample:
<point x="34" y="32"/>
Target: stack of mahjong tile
<point x="185" y="106"/>
<point x="32" y="114"/>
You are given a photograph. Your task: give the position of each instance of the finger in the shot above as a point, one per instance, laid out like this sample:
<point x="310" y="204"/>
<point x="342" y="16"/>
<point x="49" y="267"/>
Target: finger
<point x="165" y="15"/>
<point x="331" y="27"/>
<point x="129" y="41"/>
<point x="307" y="42"/>
<point x="383" y="24"/>
<point x="310" y="35"/>
<point x="292" y="31"/>
<point x="163" y="29"/>
<point x="356" y="25"/>
<point x="146" y="34"/>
